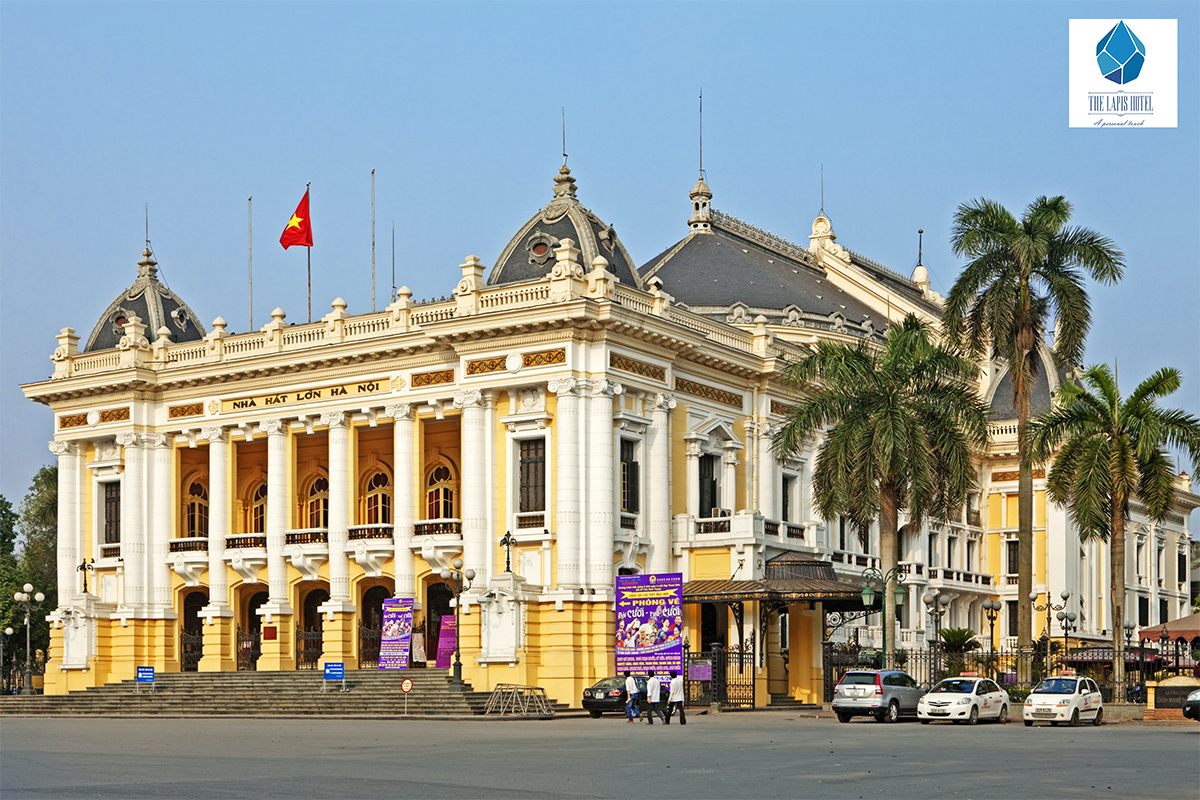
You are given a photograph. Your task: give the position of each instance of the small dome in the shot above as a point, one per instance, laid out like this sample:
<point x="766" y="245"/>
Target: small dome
<point x="920" y="275"/>
<point x="156" y="305"/>
<point x="530" y="254"/>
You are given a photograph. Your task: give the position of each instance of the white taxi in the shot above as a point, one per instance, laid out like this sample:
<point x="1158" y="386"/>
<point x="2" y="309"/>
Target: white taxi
<point x="966" y="698"/>
<point x="1065" y="698"/>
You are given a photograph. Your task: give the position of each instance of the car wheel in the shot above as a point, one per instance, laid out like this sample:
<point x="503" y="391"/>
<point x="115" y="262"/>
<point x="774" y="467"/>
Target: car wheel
<point x="893" y="712"/>
<point x="1099" y="717"/>
<point x="1028" y="723"/>
<point x="1074" y="723"/>
<point x="595" y="714"/>
<point x="974" y="716"/>
<point x="1003" y="718"/>
<point x="843" y="717"/>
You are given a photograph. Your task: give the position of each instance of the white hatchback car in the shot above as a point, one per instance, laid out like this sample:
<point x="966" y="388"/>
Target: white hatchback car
<point x="964" y="699"/>
<point x="1064" y="698"/>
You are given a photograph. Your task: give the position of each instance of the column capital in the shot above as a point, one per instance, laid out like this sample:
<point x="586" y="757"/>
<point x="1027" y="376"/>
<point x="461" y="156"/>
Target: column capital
<point x="605" y="387"/>
<point x="335" y="419"/>
<point x="128" y="439"/>
<point x="562" y="386"/>
<point x="468" y="398"/>
<point x="63" y="448"/>
<point x="156" y="440"/>
<point x="664" y="402"/>
<point x="215" y="433"/>
<point x="399" y="411"/>
<point x="273" y="427"/>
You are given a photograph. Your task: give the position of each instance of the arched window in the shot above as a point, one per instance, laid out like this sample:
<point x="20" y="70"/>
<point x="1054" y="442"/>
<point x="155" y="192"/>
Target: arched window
<point x="197" y="510"/>
<point x="258" y="510"/>
<point x="440" y="493"/>
<point x="318" y="504"/>
<point x="379" y="499"/>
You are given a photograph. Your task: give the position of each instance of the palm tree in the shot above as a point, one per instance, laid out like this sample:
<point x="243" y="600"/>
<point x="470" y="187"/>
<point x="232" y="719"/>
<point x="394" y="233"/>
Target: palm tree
<point x="1109" y="451"/>
<point x="1021" y="274"/>
<point x="959" y="640"/>
<point x="904" y="419"/>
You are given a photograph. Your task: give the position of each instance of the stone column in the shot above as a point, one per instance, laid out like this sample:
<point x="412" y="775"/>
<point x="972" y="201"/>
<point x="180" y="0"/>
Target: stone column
<point x="404" y="504"/>
<point x="477" y="554"/>
<point x="602" y="475"/>
<point x="658" y="489"/>
<point x="768" y="475"/>
<point x="68" y="505"/>
<point x="338" y="630"/>
<point x="219" y="655"/>
<point x="133" y="520"/>
<point x="566" y="430"/>
<point x="277" y="515"/>
<point x="729" y="479"/>
<point x="693" y="479"/>
<point x="162" y="507"/>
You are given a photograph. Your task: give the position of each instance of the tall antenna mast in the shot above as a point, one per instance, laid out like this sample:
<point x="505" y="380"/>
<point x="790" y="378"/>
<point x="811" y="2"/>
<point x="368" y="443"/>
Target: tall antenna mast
<point x="250" y="231"/>
<point x="822" y="190"/>
<point x="920" y="243"/>
<point x="147" y="226"/>
<point x="393" y="261"/>
<point x="564" y="129"/>
<point x="372" y="240"/>
<point x="701" y="132"/>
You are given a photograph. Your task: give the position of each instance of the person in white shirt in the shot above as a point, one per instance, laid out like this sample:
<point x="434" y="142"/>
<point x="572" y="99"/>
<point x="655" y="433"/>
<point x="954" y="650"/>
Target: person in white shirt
<point x="631" y="698"/>
<point x="675" y="699"/>
<point x="653" y="697"/>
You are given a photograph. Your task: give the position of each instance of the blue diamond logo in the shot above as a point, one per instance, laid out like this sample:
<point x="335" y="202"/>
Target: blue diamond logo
<point x="1120" y="55"/>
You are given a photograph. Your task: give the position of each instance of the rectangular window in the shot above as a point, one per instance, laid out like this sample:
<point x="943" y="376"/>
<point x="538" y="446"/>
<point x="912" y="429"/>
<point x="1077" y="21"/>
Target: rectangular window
<point x="933" y="559"/>
<point x="1143" y="611"/>
<point x="841" y="533"/>
<point x="1162" y="611"/>
<point x="950" y="546"/>
<point x="630" y="477"/>
<point x="1139" y="559"/>
<point x="708" y="485"/>
<point x="1160" y="563"/>
<point x="1014" y="625"/>
<point x="1013" y="550"/>
<point x="112" y="513"/>
<point x="789" y="483"/>
<point x="970" y="565"/>
<point x="1182" y="568"/>
<point x="533" y="475"/>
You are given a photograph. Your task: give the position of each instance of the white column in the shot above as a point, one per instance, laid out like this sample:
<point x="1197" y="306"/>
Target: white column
<point x="162" y="507"/>
<point x="768" y="473"/>
<point x="133" y="519"/>
<point x="403" y="498"/>
<point x="566" y="423"/>
<point x="729" y="480"/>
<point x="601" y="474"/>
<point x="277" y="516"/>
<point x="658" y="489"/>
<point x="339" y="504"/>
<point x="220" y="514"/>
<point x="475" y="492"/>
<point x="68" y="505"/>
<point x="693" y="478"/>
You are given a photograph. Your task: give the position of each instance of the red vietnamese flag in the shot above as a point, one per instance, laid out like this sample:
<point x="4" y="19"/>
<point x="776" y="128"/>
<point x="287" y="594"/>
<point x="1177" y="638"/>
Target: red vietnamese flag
<point x="299" y="227"/>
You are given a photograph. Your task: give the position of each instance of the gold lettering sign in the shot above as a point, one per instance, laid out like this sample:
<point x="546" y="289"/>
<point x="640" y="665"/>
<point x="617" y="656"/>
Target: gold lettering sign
<point x="276" y="399"/>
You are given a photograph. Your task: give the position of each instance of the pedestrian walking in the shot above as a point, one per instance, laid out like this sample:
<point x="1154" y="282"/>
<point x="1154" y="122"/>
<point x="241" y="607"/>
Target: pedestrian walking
<point x="675" y="699"/>
<point x="631" y="698"/>
<point x="654" y="698"/>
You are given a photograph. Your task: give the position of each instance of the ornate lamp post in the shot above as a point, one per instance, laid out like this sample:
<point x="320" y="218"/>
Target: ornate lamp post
<point x="508" y="542"/>
<point x="461" y="582"/>
<point x="4" y="670"/>
<point x="992" y="609"/>
<point x="1049" y="607"/>
<point x="873" y="578"/>
<point x="936" y="605"/>
<point x="30" y="606"/>
<point x="1066" y="619"/>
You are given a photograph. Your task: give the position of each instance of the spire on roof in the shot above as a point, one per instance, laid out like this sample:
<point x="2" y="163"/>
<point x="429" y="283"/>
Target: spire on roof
<point x="147" y="267"/>
<point x="701" y="196"/>
<point x="920" y="275"/>
<point x="564" y="184"/>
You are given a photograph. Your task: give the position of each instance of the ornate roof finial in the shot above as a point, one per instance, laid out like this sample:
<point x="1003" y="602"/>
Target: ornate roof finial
<point x="920" y="275"/>
<point x="564" y="184"/>
<point x="148" y="267"/>
<point x="701" y="196"/>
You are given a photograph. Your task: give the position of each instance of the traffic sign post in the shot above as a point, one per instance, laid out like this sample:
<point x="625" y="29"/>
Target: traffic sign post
<point x="144" y="676"/>
<point x="406" y="687"/>
<point x="334" y="671"/>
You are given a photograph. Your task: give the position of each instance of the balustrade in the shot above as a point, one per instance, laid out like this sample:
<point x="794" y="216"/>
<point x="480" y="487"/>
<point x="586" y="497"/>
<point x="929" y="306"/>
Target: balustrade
<point x="191" y="545"/>
<point x="531" y="519"/>
<point x="430" y="527"/>
<point x="246" y="541"/>
<point x="307" y="536"/>
<point x="369" y="532"/>
<point x="713" y="525"/>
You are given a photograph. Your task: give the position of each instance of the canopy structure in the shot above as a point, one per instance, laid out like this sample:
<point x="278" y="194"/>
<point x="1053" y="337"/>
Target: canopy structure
<point x="1184" y="629"/>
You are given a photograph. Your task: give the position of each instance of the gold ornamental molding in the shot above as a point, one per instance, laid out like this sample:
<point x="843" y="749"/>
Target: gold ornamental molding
<point x="782" y="409"/>
<point x="485" y="365"/>
<point x="708" y="392"/>
<point x="189" y="410"/>
<point x="544" y="358"/>
<point x="420" y="379"/>
<point x="627" y="364"/>
<point x="72" y="421"/>
<point x="93" y="418"/>
<point x="276" y="399"/>
<point x="1013" y="475"/>
<point x="115" y="415"/>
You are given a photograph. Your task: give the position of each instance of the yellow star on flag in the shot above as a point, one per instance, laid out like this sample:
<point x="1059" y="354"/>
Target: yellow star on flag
<point x="294" y="222"/>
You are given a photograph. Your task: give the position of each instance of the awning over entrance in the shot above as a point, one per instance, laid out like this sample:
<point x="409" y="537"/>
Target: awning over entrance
<point x="789" y="579"/>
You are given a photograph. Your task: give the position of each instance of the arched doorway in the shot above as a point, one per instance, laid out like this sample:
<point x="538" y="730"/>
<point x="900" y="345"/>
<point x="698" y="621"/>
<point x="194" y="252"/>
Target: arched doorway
<point x="309" y="645"/>
<point x="437" y="605"/>
<point x="249" y="635"/>
<point x="370" y="628"/>
<point x="191" y="638"/>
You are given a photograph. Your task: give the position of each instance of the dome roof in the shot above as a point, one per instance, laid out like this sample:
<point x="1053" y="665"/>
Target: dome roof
<point x="1046" y="380"/>
<point x="530" y="254"/>
<point x="153" y="303"/>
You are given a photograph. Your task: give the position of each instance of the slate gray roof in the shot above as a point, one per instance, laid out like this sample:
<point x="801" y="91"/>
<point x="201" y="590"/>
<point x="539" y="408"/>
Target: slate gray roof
<point x="1002" y="407"/>
<point x="153" y="303"/>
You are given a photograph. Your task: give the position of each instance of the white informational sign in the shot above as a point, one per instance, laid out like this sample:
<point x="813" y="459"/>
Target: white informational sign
<point x="1123" y="73"/>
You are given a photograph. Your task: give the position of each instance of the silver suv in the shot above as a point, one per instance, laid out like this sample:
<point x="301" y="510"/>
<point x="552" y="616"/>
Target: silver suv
<point x="884" y="694"/>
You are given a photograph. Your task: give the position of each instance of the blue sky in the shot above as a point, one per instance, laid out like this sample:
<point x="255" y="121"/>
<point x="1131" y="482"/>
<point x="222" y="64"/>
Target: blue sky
<point x="913" y="108"/>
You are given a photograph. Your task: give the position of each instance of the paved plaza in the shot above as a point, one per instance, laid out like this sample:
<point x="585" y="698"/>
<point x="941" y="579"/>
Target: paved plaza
<point x="727" y="755"/>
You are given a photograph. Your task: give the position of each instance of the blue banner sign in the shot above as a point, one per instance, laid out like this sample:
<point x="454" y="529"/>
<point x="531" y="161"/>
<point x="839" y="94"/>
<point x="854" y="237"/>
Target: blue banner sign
<point x="335" y="671"/>
<point x="650" y="622"/>
<point x="145" y="674"/>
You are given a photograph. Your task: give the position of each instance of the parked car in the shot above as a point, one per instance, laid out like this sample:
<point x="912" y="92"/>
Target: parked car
<point x="1064" y="698"/>
<point x="885" y="694"/>
<point x="964" y="699"/>
<point x="1191" y="706"/>
<point x="608" y="694"/>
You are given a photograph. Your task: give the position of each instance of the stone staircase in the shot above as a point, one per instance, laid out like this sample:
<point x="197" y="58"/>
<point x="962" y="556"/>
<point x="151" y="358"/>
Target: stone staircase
<point x="782" y="702"/>
<point x="372" y="693"/>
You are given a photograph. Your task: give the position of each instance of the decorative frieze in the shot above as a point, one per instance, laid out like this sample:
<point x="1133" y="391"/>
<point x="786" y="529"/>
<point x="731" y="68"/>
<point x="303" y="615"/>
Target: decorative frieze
<point x="626" y="364"/>
<point x="93" y="418"/>
<point x="485" y="365"/>
<point x="782" y="409"/>
<point x="1013" y="475"/>
<point x="72" y="421"/>
<point x="708" y="392"/>
<point x="115" y="415"/>
<point x="544" y="358"/>
<point x="420" y="379"/>
<point x="189" y="410"/>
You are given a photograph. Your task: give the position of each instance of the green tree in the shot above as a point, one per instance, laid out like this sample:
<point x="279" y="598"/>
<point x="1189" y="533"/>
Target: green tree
<point x="37" y="526"/>
<point x="903" y="419"/>
<point x="1107" y="451"/>
<point x="1021" y="274"/>
<point x="959" y="640"/>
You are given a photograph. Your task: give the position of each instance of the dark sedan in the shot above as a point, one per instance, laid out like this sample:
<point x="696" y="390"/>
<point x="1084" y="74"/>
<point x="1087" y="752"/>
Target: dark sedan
<point x="608" y="694"/>
<point x="1191" y="706"/>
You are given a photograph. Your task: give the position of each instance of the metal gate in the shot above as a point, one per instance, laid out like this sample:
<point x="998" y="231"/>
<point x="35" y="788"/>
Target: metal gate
<point x="308" y="648"/>
<point x="734" y="670"/>
<point x="368" y="647"/>
<point x="697" y="677"/>
<point x="249" y="648"/>
<point x="191" y="650"/>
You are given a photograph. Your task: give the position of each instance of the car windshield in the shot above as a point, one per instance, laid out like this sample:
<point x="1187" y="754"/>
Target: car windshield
<point x="610" y="683"/>
<point x="955" y="686"/>
<point x="1056" y="686"/>
<point x="860" y="678"/>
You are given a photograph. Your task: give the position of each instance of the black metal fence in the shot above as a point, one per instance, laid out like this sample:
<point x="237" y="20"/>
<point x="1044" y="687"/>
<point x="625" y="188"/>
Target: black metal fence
<point x="249" y="648"/>
<point x="721" y="675"/>
<point x="191" y="650"/>
<point x="368" y="647"/>
<point x="308" y="648"/>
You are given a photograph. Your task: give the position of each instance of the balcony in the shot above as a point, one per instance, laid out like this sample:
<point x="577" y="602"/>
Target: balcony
<point x="369" y="532"/>
<point x="307" y="536"/>
<point x="854" y="559"/>
<point x="246" y="541"/>
<point x="191" y="545"/>
<point x="189" y="557"/>
<point x="959" y="579"/>
<point x="714" y="525"/>
<point x="307" y="549"/>
<point x="437" y="527"/>
<point x="110" y="551"/>
<point x="246" y="554"/>
<point x="370" y="546"/>
<point x="629" y="522"/>
<point x="531" y="520"/>
<point x="973" y="517"/>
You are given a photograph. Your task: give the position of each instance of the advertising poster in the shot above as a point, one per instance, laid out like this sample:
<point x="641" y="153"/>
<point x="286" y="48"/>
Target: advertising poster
<point x="649" y="623"/>
<point x="445" y="653"/>
<point x="397" y="631"/>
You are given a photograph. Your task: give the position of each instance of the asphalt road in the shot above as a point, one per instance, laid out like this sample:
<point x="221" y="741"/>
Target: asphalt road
<point x="745" y="755"/>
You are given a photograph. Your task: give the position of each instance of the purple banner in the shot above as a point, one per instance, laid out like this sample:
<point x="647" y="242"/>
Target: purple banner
<point x="650" y="623"/>
<point x="396" y="634"/>
<point x="445" y="653"/>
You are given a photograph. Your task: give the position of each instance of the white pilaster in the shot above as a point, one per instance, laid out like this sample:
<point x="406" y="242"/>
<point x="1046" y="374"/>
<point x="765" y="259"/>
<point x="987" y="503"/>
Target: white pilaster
<point x="162" y="507"/>
<point x="475" y="491"/>
<point x="658" y="496"/>
<point x="68" y="506"/>
<point x="693" y="478"/>
<point x="133" y="520"/>
<point x="768" y="473"/>
<point x="403" y="498"/>
<point x="600" y="470"/>
<point x="566" y="423"/>
<point x="277" y="516"/>
<point x="729" y="480"/>
<point x="220" y="515"/>
<point x="339" y="504"/>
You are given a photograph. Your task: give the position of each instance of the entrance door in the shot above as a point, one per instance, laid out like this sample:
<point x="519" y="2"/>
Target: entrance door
<point x="249" y="638"/>
<point x="437" y="603"/>
<point x="309" y="644"/>
<point x="191" y="637"/>
<point x="714" y="624"/>
<point x="370" y="626"/>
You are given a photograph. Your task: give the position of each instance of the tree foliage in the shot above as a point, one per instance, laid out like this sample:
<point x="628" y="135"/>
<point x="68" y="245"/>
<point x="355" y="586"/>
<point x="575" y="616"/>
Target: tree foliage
<point x="959" y="640"/>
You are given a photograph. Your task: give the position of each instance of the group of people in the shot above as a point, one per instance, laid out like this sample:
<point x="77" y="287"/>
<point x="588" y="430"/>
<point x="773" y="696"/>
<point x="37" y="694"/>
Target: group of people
<point x="653" y="699"/>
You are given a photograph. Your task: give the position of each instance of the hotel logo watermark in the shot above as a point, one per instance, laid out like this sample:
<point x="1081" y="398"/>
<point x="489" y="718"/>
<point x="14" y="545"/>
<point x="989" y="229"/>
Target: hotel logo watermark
<point x="1123" y="73"/>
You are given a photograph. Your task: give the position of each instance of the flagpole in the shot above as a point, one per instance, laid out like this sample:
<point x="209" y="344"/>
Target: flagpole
<point x="393" y="261"/>
<point x="308" y="194"/>
<point x="250" y="228"/>
<point x="372" y="240"/>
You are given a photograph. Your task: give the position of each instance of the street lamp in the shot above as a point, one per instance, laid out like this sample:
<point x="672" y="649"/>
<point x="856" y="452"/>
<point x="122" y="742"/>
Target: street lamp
<point x="873" y="577"/>
<point x="461" y="583"/>
<point x="992" y="609"/>
<point x="3" y="671"/>
<point x="1065" y="595"/>
<point x="30" y="605"/>
<point x="936" y="605"/>
<point x="1067" y="621"/>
